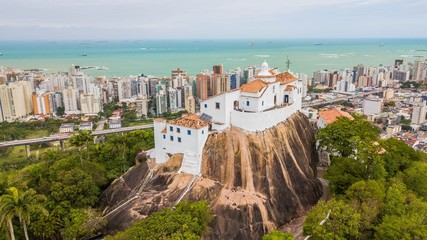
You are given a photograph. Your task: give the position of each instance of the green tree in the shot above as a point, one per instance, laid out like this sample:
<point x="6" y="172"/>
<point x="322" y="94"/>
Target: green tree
<point x="343" y="172"/>
<point x="82" y="140"/>
<point x="332" y="220"/>
<point x="20" y="204"/>
<point x="398" y="156"/>
<point x="367" y="198"/>
<point x="410" y="84"/>
<point x="187" y="221"/>
<point x="389" y="104"/>
<point x="60" y="111"/>
<point x="73" y="188"/>
<point x="278" y="235"/>
<point x="83" y="224"/>
<point x="49" y="226"/>
<point x="405" y="215"/>
<point x="416" y="179"/>
<point x="341" y="137"/>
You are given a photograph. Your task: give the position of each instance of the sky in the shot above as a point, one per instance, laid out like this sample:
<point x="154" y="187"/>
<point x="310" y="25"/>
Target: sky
<point x="208" y="19"/>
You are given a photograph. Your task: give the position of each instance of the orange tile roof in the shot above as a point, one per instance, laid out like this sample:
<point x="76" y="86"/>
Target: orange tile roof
<point x="158" y="119"/>
<point x="190" y="121"/>
<point x="331" y="115"/>
<point x="285" y="78"/>
<point x="254" y="86"/>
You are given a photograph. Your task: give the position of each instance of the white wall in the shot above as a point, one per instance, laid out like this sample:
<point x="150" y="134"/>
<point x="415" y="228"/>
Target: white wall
<point x="372" y="107"/>
<point x="226" y="101"/>
<point x="260" y="121"/>
<point x="189" y="143"/>
<point x="192" y="144"/>
<point x="160" y="148"/>
<point x="321" y="123"/>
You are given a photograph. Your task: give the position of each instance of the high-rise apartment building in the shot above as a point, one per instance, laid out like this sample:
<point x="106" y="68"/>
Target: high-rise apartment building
<point x="90" y="103"/>
<point x="202" y="86"/>
<point x="419" y="70"/>
<point x="173" y="105"/>
<point x="419" y="113"/>
<point x="189" y="101"/>
<point x="15" y="100"/>
<point x="217" y="69"/>
<point x="42" y="103"/>
<point x="69" y="96"/>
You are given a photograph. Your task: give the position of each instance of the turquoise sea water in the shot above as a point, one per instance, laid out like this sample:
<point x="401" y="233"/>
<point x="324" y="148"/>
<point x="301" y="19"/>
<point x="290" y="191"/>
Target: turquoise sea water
<point x="159" y="57"/>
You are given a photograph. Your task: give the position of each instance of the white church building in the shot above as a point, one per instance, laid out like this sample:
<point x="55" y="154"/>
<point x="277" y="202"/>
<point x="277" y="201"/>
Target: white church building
<point x="256" y="106"/>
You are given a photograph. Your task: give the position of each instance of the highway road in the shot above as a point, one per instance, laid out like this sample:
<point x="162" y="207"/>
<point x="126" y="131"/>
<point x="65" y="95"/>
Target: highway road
<point x="66" y="137"/>
<point x="339" y="99"/>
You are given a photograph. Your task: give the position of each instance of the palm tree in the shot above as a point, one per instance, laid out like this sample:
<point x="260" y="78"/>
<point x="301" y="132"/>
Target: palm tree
<point x="20" y="204"/>
<point x="6" y="217"/>
<point x="82" y="140"/>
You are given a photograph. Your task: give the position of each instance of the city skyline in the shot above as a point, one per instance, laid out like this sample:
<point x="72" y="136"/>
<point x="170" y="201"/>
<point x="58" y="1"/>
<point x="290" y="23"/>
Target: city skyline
<point x="191" y="19"/>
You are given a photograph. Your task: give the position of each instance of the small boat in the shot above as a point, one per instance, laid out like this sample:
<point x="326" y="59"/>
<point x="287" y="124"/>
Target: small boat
<point x="102" y="68"/>
<point x="84" y="54"/>
<point x="317" y="44"/>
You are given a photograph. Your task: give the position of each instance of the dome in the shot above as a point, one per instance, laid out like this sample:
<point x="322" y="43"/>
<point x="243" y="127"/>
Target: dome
<point x="264" y="70"/>
<point x="264" y="65"/>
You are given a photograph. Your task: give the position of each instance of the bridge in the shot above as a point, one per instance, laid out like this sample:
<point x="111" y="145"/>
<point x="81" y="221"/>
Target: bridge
<point x="63" y="138"/>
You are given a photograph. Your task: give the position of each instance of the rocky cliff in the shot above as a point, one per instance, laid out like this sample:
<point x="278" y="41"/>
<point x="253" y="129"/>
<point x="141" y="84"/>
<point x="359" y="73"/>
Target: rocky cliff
<point x="254" y="182"/>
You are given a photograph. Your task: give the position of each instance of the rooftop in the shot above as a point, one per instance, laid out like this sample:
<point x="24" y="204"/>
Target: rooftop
<point x="254" y="86"/>
<point x="285" y="78"/>
<point x="189" y="121"/>
<point x="331" y="115"/>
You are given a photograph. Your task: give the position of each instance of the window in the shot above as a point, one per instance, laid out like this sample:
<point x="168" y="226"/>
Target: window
<point x="262" y="103"/>
<point x="171" y="129"/>
<point x="164" y="136"/>
<point x="179" y="139"/>
<point x="203" y="131"/>
<point x="178" y="130"/>
<point x="217" y="105"/>
<point x="247" y="103"/>
<point x="274" y="87"/>
<point x="188" y="132"/>
<point x="206" y="105"/>
<point x="171" y="138"/>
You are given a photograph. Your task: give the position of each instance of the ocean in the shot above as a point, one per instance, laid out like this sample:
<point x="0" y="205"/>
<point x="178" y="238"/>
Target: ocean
<point x="159" y="57"/>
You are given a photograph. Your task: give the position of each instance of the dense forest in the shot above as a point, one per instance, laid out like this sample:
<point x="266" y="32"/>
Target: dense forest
<point x="56" y="195"/>
<point x="379" y="186"/>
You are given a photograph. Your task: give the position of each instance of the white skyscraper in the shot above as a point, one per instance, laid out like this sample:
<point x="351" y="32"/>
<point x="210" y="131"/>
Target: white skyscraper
<point x="173" y="105"/>
<point x="419" y="113"/>
<point x="69" y="96"/>
<point x="90" y="103"/>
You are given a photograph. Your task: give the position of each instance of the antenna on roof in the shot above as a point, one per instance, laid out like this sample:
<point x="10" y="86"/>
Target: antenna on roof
<point x="288" y="65"/>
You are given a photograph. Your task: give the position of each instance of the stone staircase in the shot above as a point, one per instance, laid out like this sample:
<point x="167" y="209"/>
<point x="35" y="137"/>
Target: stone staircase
<point x="191" y="164"/>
